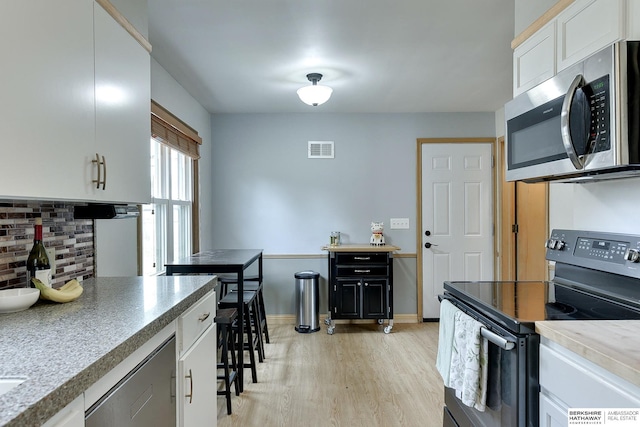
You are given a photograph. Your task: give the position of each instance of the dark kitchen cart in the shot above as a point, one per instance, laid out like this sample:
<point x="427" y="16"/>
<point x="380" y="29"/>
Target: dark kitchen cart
<point x="360" y="283"/>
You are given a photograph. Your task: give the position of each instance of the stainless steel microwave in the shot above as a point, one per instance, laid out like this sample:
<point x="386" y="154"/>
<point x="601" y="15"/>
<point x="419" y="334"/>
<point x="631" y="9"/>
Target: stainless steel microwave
<point x="581" y="125"/>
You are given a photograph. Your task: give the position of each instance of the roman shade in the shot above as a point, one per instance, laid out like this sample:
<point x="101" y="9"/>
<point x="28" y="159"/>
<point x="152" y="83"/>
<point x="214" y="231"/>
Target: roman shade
<point x="173" y="132"/>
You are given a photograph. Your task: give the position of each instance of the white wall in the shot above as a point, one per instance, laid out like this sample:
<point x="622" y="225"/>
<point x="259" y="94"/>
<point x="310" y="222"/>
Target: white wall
<point x="528" y="11"/>
<point x="166" y="91"/>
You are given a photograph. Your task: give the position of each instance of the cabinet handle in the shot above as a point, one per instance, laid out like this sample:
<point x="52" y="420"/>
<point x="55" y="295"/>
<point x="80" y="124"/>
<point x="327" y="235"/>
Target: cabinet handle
<point x="102" y="171"/>
<point x="362" y="258"/>
<point x="97" y="162"/>
<point x="204" y="317"/>
<point x="190" y="395"/>
<point x="362" y="271"/>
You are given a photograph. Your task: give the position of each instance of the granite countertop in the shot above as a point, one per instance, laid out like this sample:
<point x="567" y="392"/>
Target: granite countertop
<point x="62" y="349"/>
<point x="611" y="344"/>
<point x="361" y="248"/>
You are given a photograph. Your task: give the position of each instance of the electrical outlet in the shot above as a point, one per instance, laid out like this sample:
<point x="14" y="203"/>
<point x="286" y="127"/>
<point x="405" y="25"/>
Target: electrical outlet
<point x="399" y="223"/>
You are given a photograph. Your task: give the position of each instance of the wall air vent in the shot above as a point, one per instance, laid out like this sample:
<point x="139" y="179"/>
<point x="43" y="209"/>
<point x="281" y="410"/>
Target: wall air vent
<point x="320" y="150"/>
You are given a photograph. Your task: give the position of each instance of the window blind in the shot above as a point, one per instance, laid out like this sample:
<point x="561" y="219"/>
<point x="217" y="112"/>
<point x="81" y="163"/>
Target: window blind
<point x="173" y="132"/>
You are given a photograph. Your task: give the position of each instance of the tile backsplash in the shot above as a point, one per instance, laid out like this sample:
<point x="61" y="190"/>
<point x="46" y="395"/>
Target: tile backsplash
<point x="70" y="239"/>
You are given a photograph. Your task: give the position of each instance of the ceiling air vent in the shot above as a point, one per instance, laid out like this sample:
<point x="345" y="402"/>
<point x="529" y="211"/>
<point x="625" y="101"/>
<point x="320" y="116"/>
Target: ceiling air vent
<point x="320" y="150"/>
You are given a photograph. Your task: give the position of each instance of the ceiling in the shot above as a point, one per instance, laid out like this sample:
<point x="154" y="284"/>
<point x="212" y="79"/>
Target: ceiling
<point x="379" y="56"/>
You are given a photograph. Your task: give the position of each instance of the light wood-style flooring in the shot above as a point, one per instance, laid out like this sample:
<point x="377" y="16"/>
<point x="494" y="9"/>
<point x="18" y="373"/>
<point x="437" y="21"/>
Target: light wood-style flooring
<point x="358" y="376"/>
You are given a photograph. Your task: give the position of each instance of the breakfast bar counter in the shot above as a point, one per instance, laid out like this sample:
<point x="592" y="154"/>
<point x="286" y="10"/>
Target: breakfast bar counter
<point x="63" y="349"/>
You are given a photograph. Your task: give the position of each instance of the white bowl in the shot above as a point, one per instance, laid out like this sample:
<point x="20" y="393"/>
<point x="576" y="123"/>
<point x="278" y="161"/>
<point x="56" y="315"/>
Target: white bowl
<point x="12" y="300"/>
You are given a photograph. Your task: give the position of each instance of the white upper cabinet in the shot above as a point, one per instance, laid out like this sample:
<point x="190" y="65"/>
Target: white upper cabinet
<point x="47" y="101"/>
<point x="587" y="26"/>
<point x="123" y="106"/>
<point x="581" y="29"/>
<point x="534" y="61"/>
<point x="71" y="89"/>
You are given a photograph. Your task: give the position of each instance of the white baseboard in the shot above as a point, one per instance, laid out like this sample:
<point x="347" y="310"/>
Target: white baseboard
<point x="290" y="319"/>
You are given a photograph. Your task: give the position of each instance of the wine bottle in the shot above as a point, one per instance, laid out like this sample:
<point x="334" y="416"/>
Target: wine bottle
<point x="38" y="261"/>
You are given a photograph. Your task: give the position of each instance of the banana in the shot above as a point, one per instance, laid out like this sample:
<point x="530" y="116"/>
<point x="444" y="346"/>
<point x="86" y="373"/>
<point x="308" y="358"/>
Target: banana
<point x="70" y="293"/>
<point x="71" y="284"/>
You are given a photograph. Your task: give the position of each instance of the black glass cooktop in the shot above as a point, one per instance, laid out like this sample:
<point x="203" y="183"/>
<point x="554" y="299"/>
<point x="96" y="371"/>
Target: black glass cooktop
<point x="517" y="305"/>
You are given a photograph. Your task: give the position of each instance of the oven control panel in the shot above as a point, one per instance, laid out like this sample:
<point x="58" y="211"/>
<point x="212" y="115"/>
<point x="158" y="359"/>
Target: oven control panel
<point x="604" y="250"/>
<point x="615" y="253"/>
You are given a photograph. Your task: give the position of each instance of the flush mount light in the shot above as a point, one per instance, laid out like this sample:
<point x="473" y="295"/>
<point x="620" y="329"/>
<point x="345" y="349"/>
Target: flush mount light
<point x="315" y="94"/>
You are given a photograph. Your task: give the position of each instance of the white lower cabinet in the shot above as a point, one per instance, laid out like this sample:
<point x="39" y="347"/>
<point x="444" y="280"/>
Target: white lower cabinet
<point x="552" y="414"/>
<point x="568" y="380"/>
<point x="197" y="382"/>
<point x="71" y="416"/>
<point x="197" y="374"/>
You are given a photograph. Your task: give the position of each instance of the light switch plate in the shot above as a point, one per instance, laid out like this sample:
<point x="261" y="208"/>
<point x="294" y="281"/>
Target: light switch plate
<point x="399" y="223"/>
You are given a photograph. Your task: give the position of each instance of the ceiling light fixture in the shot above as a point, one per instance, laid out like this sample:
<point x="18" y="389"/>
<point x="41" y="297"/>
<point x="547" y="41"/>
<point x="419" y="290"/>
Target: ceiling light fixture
<point x="315" y="94"/>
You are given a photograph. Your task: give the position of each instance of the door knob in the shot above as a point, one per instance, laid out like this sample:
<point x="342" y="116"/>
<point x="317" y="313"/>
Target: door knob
<point x="428" y="245"/>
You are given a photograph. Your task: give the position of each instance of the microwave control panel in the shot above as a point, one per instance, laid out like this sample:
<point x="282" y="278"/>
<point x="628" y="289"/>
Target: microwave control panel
<point x="597" y="93"/>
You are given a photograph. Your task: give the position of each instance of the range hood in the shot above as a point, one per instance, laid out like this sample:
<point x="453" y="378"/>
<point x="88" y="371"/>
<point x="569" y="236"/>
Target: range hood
<point x="105" y="211"/>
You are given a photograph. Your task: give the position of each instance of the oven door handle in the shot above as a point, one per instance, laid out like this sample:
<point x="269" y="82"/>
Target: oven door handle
<point x="496" y="339"/>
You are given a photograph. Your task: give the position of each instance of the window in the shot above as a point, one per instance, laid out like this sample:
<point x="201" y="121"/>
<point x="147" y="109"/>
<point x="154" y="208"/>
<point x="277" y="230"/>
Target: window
<point x="168" y="227"/>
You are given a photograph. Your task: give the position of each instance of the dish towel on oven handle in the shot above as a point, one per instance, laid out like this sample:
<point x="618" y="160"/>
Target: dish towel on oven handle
<point x="469" y="361"/>
<point x="445" y="339"/>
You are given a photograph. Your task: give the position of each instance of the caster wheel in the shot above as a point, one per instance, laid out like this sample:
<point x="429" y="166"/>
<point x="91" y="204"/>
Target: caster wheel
<point x="330" y="330"/>
<point x="380" y="321"/>
<point x="387" y="329"/>
<point x="327" y="322"/>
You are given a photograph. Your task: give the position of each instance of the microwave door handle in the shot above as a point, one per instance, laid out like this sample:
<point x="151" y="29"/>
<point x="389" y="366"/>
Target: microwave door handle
<point x="577" y="83"/>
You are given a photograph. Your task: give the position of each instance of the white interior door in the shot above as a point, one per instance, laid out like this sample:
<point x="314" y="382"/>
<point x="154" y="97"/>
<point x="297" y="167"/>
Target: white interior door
<point x="457" y="218"/>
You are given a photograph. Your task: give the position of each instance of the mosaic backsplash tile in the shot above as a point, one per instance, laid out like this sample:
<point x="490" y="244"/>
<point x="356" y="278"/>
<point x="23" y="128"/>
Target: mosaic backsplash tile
<point x="70" y="239"/>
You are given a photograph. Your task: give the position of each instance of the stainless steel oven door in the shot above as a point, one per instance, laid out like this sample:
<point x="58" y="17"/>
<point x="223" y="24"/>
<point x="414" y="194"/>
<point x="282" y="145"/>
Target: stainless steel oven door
<point x="512" y="389"/>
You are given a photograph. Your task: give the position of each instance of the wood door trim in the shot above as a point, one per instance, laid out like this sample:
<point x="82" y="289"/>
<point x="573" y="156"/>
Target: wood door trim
<point x="419" y="144"/>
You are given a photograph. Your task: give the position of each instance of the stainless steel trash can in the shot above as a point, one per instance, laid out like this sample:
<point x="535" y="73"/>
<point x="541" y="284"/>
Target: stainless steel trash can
<point x="307" y="301"/>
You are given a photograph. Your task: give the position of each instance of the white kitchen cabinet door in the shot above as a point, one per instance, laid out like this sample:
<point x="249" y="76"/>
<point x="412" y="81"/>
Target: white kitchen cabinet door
<point x="580" y="383"/>
<point x="587" y="26"/>
<point x="123" y="113"/>
<point x="552" y="413"/>
<point x="47" y="101"/>
<point x="534" y="61"/>
<point x="197" y="382"/>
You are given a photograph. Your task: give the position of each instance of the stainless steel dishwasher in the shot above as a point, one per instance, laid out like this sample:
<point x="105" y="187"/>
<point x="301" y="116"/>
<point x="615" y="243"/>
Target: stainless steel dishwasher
<point x="145" y="397"/>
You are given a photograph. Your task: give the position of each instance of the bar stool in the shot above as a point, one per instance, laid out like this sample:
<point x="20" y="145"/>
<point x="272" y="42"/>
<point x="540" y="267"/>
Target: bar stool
<point x="253" y="342"/>
<point x="226" y="342"/>
<point x="224" y="280"/>
<point x="251" y="283"/>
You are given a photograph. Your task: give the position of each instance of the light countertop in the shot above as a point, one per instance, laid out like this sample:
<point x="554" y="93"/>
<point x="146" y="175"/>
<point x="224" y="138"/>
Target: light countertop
<point x="63" y="349"/>
<point x="612" y="344"/>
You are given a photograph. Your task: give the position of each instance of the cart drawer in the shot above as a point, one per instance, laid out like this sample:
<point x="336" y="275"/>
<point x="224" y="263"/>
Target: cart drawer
<point x="361" y="258"/>
<point x="365" y="270"/>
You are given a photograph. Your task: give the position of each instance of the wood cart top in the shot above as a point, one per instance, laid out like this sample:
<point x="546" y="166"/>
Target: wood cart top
<point x="361" y="248"/>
